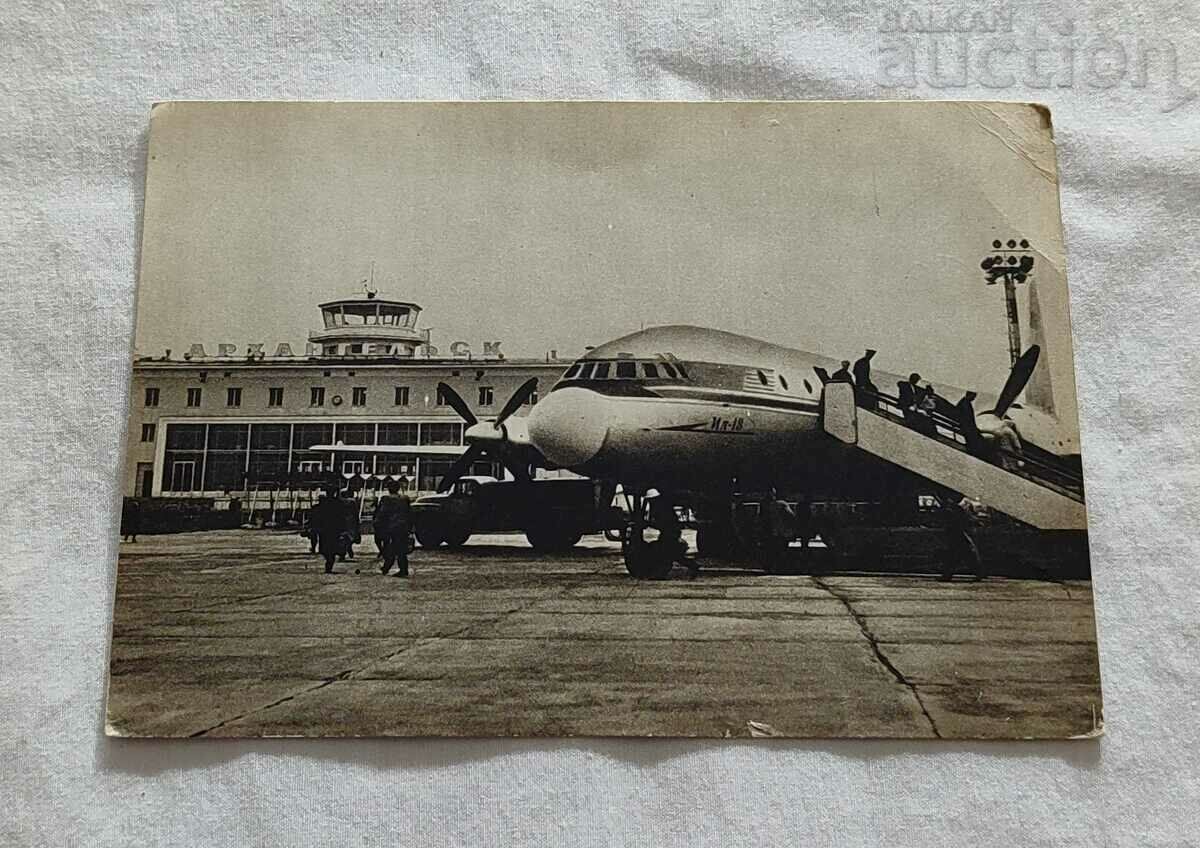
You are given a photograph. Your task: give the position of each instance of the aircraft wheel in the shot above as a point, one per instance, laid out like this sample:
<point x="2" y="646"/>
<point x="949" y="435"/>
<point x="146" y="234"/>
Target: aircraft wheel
<point x="552" y="538"/>
<point x="428" y="537"/>
<point x="713" y="540"/>
<point x="648" y="560"/>
<point x="456" y="539"/>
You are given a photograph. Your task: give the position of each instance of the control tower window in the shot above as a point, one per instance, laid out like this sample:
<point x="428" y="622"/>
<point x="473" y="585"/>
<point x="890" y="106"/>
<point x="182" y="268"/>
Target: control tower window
<point x="601" y="371"/>
<point x="650" y="370"/>
<point x="626" y="370"/>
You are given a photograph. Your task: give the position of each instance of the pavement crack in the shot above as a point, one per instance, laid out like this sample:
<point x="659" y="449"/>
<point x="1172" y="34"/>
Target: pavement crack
<point x="880" y="656"/>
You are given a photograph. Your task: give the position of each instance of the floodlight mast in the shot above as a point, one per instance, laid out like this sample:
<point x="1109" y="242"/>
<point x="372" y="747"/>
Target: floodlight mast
<point x="1011" y="264"/>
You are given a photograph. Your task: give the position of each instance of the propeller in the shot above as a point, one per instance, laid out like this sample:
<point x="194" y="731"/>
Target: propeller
<point x="1021" y="371"/>
<point x="486" y="438"/>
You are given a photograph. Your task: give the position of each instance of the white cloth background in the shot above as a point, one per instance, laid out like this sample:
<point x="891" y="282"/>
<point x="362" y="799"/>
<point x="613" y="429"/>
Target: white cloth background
<point x="75" y="90"/>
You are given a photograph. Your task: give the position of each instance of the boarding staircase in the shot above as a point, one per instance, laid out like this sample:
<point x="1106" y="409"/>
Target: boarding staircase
<point x="1044" y="492"/>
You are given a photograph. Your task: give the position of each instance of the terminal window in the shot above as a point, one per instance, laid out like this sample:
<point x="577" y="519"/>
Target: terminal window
<point x="358" y="396"/>
<point x="401" y="395"/>
<point x="275" y="396"/>
<point x="317" y="396"/>
<point x="233" y="396"/>
<point x="148" y="432"/>
<point x="151" y="396"/>
<point x="441" y="397"/>
<point x="486" y="396"/>
<point x="193" y="397"/>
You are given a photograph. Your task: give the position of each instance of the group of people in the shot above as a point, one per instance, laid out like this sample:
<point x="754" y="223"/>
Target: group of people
<point x="987" y="434"/>
<point x="334" y="527"/>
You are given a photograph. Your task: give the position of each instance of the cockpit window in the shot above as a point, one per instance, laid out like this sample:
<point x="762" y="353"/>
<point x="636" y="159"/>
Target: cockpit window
<point x="669" y="370"/>
<point x="650" y="370"/>
<point x="585" y="373"/>
<point x="571" y="372"/>
<point x="626" y="370"/>
<point x="601" y="371"/>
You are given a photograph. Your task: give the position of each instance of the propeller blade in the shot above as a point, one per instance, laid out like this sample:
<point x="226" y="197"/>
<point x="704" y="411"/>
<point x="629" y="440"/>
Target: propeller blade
<point x="1022" y="370"/>
<point x="460" y="406"/>
<point x="518" y="397"/>
<point x="460" y="467"/>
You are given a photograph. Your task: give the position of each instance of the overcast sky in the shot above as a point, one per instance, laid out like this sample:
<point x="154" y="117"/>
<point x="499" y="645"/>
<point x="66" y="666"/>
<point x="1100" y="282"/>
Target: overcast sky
<point x="827" y="227"/>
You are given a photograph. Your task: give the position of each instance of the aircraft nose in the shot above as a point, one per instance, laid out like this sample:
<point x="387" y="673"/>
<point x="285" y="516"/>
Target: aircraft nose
<point x="568" y="426"/>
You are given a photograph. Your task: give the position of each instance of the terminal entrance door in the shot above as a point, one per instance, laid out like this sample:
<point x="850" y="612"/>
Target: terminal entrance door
<point x="183" y="476"/>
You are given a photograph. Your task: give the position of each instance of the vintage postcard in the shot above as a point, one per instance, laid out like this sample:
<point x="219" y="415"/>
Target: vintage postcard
<point x="603" y="419"/>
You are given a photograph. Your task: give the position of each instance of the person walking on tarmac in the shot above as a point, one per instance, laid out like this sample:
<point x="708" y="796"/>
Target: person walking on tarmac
<point x="131" y="519"/>
<point x="779" y="531"/>
<point x="314" y="537"/>
<point x="393" y="518"/>
<point x="351" y="533"/>
<point x="662" y="517"/>
<point x="961" y="553"/>
<point x="328" y="520"/>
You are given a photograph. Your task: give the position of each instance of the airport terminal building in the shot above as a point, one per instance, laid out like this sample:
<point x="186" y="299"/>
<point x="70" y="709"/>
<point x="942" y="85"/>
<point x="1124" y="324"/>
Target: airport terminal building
<point x="238" y="420"/>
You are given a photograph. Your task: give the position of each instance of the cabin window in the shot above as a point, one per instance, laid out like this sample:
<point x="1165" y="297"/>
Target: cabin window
<point x="783" y="382"/>
<point x="626" y="370"/>
<point x="762" y="378"/>
<point x="808" y="387"/>
<point x="650" y="370"/>
<point x="601" y="371"/>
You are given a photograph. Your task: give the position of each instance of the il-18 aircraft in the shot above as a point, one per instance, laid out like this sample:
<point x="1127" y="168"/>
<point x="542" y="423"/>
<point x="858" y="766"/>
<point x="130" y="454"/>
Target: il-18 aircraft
<point x="698" y="414"/>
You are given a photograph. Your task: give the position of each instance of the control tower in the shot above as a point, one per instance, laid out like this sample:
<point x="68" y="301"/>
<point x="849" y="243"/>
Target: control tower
<point x="368" y="325"/>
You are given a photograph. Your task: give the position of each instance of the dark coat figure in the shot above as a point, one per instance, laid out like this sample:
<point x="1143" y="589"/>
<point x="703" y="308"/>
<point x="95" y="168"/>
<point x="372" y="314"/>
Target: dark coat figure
<point x="393" y="520"/>
<point x="779" y="529"/>
<point x="842" y="375"/>
<point x="962" y="553"/>
<point x="965" y="414"/>
<point x="912" y="396"/>
<point x="866" y="390"/>
<point x="351" y="531"/>
<point x="131" y="519"/>
<point x="862" y="371"/>
<point x="328" y="520"/>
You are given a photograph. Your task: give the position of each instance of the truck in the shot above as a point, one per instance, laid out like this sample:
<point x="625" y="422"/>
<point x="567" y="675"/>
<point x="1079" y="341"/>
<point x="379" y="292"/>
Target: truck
<point x="554" y="514"/>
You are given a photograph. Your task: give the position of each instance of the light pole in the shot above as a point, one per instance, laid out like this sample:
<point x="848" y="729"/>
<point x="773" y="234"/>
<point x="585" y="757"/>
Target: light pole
<point x="1012" y="264"/>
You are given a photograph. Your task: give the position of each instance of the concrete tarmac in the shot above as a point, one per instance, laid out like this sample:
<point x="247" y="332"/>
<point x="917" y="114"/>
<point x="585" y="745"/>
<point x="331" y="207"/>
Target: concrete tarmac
<point x="240" y="633"/>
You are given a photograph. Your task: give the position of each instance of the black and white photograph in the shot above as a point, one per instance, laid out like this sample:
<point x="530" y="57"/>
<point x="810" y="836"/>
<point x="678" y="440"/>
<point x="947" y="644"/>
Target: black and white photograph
<point x="561" y="419"/>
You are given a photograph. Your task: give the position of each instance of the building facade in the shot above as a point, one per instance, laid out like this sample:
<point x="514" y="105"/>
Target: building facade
<point x="217" y="426"/>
